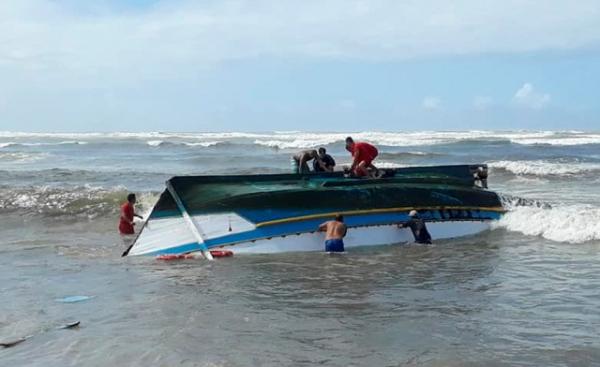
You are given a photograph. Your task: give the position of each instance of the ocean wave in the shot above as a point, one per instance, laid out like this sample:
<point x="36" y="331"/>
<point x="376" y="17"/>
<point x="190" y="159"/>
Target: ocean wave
<point x="545" y="168"/>
<point x="407" y="155"/>
<point x="299" y="140"/>
<point x="205" y="144"/>
<point x="88" y="201"/>
<point x="20" y="157"/>
<point x="563" y="223"/>
<point x="38" y="144"/>
<point x="384" y="164"/>
<point x="7" y="144"/>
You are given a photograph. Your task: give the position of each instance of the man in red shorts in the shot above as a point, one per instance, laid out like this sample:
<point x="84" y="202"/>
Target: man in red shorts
<point x="363" y="155"/>
<point x="127" y="213"/>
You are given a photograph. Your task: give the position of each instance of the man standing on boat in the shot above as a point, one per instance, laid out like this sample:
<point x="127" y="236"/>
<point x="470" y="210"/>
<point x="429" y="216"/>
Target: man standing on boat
<point x="126" y="222"/>
<point x="335" y="232"/>
<point x="325" y="162"/>
<point x="418" y="228"/>
<point x="363" y="155"/>
<point x="300" y="160"/>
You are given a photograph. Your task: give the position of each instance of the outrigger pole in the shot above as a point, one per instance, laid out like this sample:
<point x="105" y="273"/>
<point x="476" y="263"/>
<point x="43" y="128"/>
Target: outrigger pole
<point x="189" y="221"/>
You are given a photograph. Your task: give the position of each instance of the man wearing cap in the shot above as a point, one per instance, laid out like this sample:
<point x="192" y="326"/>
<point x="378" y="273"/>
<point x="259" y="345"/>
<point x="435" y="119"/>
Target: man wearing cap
<point x="418" y="228"/>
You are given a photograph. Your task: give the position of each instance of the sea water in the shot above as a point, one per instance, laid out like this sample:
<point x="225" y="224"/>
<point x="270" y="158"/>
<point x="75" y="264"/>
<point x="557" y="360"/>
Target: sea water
<point x="524" y="293"/>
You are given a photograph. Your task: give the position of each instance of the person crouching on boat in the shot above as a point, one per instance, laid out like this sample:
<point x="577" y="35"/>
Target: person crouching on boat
<point x="126" y="222"/>
<point x="418" y="228"/>
<point x="335" y="231"/>
<point x="324" y="163"/>
<point x="300" y="160"/>
<point x="363" y="155"/>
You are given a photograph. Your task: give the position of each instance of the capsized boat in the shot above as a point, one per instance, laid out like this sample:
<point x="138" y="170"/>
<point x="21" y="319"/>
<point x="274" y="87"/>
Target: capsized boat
<point x="268" y="213"/>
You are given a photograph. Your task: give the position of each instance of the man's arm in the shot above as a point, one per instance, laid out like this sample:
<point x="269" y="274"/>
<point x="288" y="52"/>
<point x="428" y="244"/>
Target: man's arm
<point x="355" y="160"/>
<point x="323" y="227"/>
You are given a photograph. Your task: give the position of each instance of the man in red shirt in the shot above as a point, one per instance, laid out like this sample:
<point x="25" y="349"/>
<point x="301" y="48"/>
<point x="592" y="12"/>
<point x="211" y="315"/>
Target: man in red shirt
<point x="127" y="213"/>
<point x="363" y="155"/>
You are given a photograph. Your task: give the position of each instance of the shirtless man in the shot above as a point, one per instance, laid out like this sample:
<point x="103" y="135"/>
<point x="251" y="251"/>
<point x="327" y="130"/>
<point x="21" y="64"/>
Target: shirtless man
<point x="363" y="155"/>
<point x="335" y="233"/>
<point x="301" y="159"/>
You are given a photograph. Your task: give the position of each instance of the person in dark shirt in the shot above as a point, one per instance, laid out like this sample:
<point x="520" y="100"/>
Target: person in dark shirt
<point x="418" y="228"/>
<point x="325" y="162"/>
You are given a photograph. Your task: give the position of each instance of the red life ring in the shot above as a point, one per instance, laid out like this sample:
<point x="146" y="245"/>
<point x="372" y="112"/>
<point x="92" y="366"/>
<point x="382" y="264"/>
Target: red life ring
<point x="221" y="253"/>
<point x="214" y="253"/>
<point x="169" y="257"/>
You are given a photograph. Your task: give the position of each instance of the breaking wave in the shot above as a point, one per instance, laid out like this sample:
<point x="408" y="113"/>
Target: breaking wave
<point x="545" y="168"/>
<point x="298" y="140"/>
<point x="571" y="223"/>
<point x="560" y="223"/>
<point x="81" y="201"/>
<point x="38" y="144"/>
<point x="20" y="157"/>
<point x="159" y="143"/>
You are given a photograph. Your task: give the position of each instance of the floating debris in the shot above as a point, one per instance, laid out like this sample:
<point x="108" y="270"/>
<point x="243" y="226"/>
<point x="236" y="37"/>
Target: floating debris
<point x="74" y="299"/>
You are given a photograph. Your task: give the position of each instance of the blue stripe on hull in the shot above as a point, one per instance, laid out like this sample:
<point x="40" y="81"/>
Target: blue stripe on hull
<point x="306" y="226"/>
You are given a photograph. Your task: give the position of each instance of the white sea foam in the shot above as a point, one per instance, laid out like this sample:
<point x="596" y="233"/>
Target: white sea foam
<point x="384" y="164"/>
<point x="157" y="143"/>
<point x="545" y="168"/>
<point x="20" y="157"/>
<point x="203" y="143"/>
<point x="87" y="199"/>
<point x="154" y="143"/>
<point x="567" y="223"/>
<point x="37" y="144"/>
<point x="297" y="139"/>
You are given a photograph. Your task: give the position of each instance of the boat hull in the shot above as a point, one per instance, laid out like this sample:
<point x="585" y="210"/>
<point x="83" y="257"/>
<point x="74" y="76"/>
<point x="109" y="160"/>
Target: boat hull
<point x="359" y="237"/>
<point x="281" y="213"/>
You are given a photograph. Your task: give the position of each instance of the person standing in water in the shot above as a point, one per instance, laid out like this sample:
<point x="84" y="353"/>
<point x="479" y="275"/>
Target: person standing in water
<point x="335" y="232"/>
<point x="126" y="222"/>
<point x="418" y="228"/>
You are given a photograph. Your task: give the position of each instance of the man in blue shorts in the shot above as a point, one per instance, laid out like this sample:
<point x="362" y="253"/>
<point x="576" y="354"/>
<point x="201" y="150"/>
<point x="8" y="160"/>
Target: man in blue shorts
<point x="335" y="232"/>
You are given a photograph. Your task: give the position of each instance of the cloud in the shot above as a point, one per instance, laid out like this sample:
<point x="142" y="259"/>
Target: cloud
<point x="431" y="103"/>
<point x="170" y="39"/>
<point x="482" y="102"/>
<point x="527" y="96"/>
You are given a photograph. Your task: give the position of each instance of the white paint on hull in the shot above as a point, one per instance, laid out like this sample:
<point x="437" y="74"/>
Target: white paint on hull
<point x="358" y="237"/>
<point x="160" y="234"/>
<point x="165" y="233"/>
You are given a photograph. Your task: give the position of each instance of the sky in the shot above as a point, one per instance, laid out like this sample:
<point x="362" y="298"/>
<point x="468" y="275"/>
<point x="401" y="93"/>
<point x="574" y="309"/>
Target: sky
<point x="336" y="65"/>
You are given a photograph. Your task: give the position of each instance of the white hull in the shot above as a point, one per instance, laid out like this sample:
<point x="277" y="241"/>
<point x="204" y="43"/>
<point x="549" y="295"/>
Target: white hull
<point x="358" y="237"/>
